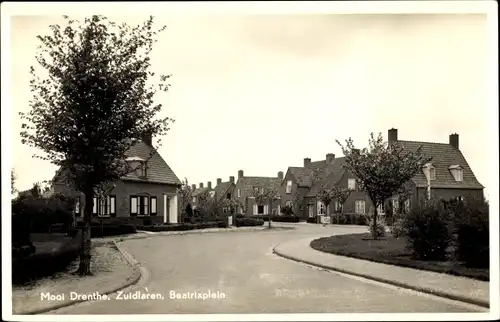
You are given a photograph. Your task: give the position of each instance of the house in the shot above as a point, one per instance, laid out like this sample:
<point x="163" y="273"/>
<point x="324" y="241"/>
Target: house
<point x="148" y="193"/>
<point x="302" y="184"/>
<point x="201" y="190"/>
<point x="244" y="194"/>
<point x="224" y="190"/>
<point x="447" y="176"/>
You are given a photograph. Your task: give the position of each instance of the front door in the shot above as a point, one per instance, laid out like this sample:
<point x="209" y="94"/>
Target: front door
<point x="310" y="209"/>
<point x="230" y="221"/>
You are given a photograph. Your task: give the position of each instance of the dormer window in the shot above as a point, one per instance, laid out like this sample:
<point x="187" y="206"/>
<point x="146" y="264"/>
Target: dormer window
<point x="138" y="166"/>
<point x="457" y="172"/>
<point x="430" y="171"/>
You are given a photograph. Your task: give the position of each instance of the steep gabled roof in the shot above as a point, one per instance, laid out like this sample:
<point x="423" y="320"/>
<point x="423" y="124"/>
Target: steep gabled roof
<point x="222" y="188"/>
<point x="331" y="175"/>
<point x="443" y="156"/>
<point x="158" y="170"/>
<point x="303" y="176"/>
<point x="199" y="191"/>
<point x="247" y="184"/>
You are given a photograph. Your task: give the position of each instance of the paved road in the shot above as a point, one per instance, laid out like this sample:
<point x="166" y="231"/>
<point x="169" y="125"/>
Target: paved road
<point x="254" y="280"/>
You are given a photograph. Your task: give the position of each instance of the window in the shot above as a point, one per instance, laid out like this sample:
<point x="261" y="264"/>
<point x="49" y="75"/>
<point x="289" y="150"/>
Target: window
<point x="289" y="186"/>
<point x="351" y="184"/>
<point x="260" y="210"/>
<point x="261" y="190"/>
<point x="256" y="190"/>
<point x="310" y="210"/>
<point x="228" y="196"/>
<point x="77" y="206"/>
<point x="153" y="206"/>
<point x="194" y="199"/>
<point x="360" y="207"/>
<point x="407" y="205"/>
<point x="140" y="205"/>
<point x="457" y="172"/>
<point x="381" y="209"/>
<point x="239" y="192"/>
<point x="321" y="208"/>
<point x="288" y="203"/>
<point x="225" y="210"/>
<point x="459" y="198"/>
<point x="432" y="173"/>
<point x="104" y="207"/>
<point x="395" y="205"/>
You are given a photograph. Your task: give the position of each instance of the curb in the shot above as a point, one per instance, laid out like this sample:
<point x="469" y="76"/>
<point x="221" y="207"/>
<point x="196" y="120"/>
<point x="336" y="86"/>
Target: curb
<point x="135" y="278"/>
<point x="426" y="290"/>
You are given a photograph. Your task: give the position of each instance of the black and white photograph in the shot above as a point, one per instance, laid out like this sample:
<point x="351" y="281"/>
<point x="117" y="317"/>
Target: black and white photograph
<point x="250" y="161"/>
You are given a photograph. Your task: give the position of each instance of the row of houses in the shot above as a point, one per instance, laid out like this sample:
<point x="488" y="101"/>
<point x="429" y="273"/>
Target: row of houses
<point x="449" y="175"/>
<point x="151" y="191"/>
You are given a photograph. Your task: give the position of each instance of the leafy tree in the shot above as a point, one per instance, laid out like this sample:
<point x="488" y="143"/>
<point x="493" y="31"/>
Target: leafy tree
<point x="92" y="102"/>
<point x="330" y="192"/>
<point x="263" y="196"/>
<point x="185" y="194"/>
<point x="382" y="169"/>
<point x="36" y="190"/>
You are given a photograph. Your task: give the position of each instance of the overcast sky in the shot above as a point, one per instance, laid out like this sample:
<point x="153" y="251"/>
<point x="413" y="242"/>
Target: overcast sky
<point x="262" y="92"/>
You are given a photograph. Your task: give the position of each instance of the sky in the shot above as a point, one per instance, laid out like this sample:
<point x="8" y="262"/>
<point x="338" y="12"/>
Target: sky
<point x="262" y="92"/>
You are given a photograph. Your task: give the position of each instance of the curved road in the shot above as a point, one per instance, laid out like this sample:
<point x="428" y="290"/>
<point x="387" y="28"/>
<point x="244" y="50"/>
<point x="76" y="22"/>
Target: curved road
<point x="253" y="279"/>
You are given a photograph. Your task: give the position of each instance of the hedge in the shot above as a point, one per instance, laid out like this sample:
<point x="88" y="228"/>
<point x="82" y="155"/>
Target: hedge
<point x="45" y="262"/>
<point x="98" y="230"/>
<point x="183" y="227"/>
<point x="282" y="218"/>
<point x="248" y="221"/>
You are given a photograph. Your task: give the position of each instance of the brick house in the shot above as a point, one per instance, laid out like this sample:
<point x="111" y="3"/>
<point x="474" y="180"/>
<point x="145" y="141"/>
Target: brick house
<point x="245" y="196"/>
<point x="301" y="184"/>
<point x="197" y="192"/>
<point x="449" y="175"/>
<point x="224" y="189"/>
<point x="148" y="193"/>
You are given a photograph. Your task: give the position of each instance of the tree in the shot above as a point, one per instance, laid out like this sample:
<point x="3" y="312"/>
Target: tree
<point x="263" y="196"/>
<point x="382" y="169"/>
<point x="330" y="192"/>
<point x="185" y="194"/>
<point x="92" y="103"/>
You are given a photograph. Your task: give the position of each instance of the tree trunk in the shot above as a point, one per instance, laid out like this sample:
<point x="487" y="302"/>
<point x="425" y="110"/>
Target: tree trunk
<point x="84" y="268"/>
<point x="271" y="209"/>
<point x="374" y="227"/>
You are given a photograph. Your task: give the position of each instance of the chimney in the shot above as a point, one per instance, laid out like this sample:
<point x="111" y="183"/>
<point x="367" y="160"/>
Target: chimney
<point x="231" y="179"/>
<point x="240" y="174"/>
<point x="147" y="138"/>
<point x="193" y="186"/>
<point x="392" y="135"/>
<point x="330" y="157"/>
<point x="209" y="185"/>
<point x="201" y="184"/>
<point x="307" y="162"/>
<point x="219" y="181"/>
<point x="454" y="140"/>
<point x="280" y="175"/>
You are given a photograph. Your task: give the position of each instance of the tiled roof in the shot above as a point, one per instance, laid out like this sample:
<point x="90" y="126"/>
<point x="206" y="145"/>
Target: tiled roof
<point x="248" y="183"/>
<point x="303" y="176"/>
<point x="443" y="156"/>
<point x="221" y="188"/>
<point x="199" y="191"/>
<point x="331" y="174"/>
<point x="158" y="170"/>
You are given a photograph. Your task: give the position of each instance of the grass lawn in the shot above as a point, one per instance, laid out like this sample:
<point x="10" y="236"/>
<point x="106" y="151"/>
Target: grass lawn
<point x="390" y="250"/>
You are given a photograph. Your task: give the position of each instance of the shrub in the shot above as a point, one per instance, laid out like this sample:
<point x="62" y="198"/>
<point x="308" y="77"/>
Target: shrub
<point x="39" y="214"/>
<point x="287" y="210"/>
<point x="45" y="261"/>
<point x="472" y="223"/>
<point x="285" y="218"/>
<point x="248" y="221"/>
<point x="397" y="229"/>
<point x="427" y="231"/>
<point x="98" y="230"/>
<point x="312" y="220"/>
<point x="184" y="227"/>
<point x="377" y="230"/>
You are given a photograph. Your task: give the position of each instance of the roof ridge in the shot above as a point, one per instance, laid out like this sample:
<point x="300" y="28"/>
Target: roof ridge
<point x="423" y="142"/>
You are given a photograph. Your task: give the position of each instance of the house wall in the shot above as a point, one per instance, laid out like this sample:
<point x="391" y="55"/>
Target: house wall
<point x="357" y="194"/>
<point x="300" y="192"/>
<point x="123" y="190"/>
<point x="251" y="203"/>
